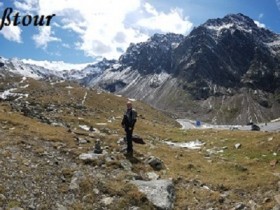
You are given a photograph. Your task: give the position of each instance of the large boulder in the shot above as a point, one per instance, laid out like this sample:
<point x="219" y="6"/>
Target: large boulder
<point x="155" y="163"/>
<point x="160" y="192"/>
<point x="255" y="127"/>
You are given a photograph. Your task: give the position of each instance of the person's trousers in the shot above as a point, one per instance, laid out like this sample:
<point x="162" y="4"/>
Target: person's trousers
<point x="129" y="141"/>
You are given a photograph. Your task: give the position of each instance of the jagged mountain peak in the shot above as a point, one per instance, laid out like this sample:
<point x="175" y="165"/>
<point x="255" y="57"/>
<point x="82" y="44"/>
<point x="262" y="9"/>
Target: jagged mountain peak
<point x="232" y="20"/>
<point x="154" y="41"/>
<point x="169" y="37"/>
<point x="238" y="22"/>
<point x="152" y="56"/>
<point x="103" y="64"/>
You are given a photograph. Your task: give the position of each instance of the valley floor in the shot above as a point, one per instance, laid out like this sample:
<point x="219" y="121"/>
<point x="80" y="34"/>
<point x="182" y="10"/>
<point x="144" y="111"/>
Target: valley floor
<point x="190" y="124"/>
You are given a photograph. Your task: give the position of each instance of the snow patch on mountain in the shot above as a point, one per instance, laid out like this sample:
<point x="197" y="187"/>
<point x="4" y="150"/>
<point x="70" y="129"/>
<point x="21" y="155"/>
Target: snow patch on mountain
<point x="274" y="46"/>
<point x="24" y="70"/>
<point x="260" y="25"/>
<point x="48" y="69"/>
<point x="274" y="43"/>
<point x="230" y="26"/>
<point x="16" y="66"/>
<point x="220" y="27"/>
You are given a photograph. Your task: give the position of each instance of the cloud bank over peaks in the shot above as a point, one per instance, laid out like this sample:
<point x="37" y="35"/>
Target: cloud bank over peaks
<point x="56" y="65"/>
<point x="103" y="28"/>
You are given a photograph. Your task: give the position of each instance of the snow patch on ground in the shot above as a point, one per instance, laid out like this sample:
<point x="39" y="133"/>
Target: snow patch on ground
<point x="25" y="86"/>
<point x="9" y="93"/>
<point x="85" y="97"/>
<point x="275" y="120"/>
<point x="23" y="79"/>
<point x="84" y="127"/>
<point x="190" y="145"/>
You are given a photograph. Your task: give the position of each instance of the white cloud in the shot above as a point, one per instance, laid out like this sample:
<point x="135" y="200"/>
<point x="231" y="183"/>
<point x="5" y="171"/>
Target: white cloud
<point x="27" y="5"/>
<point x="105" y="27"/>
<point x="66" y="45"/>
<point x="56" y="24"/>
<point x="150" y="9"/>
<point x="44" y="37"/>
<point x="261" y="15"/>
<point x="1" y="4"/>
<point x="260" y="25"/>
<point x="278" y="3"/>
<point x="165" y="22"/>
<point x="11" y="33"/>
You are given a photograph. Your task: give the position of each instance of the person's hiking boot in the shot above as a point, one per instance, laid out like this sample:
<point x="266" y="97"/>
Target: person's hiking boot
<point x="129" y="154"/>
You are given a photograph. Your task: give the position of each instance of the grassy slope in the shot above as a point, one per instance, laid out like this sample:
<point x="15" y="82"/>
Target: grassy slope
<point x="246" y="172"/>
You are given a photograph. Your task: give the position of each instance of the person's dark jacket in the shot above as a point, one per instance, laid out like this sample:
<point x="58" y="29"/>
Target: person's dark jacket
<point x="129" y="119"/>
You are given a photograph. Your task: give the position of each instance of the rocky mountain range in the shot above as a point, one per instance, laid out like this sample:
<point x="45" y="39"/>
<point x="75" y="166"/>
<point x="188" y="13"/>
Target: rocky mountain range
<point x="225" y="71"/>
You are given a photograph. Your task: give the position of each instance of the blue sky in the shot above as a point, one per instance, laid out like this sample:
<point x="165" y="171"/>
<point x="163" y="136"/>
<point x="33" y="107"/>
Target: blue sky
<point x="83" y="31"/>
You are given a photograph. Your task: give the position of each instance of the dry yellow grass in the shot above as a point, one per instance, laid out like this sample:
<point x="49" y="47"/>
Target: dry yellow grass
<point x="19" y="125"/>
<point x="247" y="168"/>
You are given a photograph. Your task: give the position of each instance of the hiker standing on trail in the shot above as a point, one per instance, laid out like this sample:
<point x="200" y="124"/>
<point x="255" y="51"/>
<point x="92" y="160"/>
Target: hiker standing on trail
<point x="128" y="122"/>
